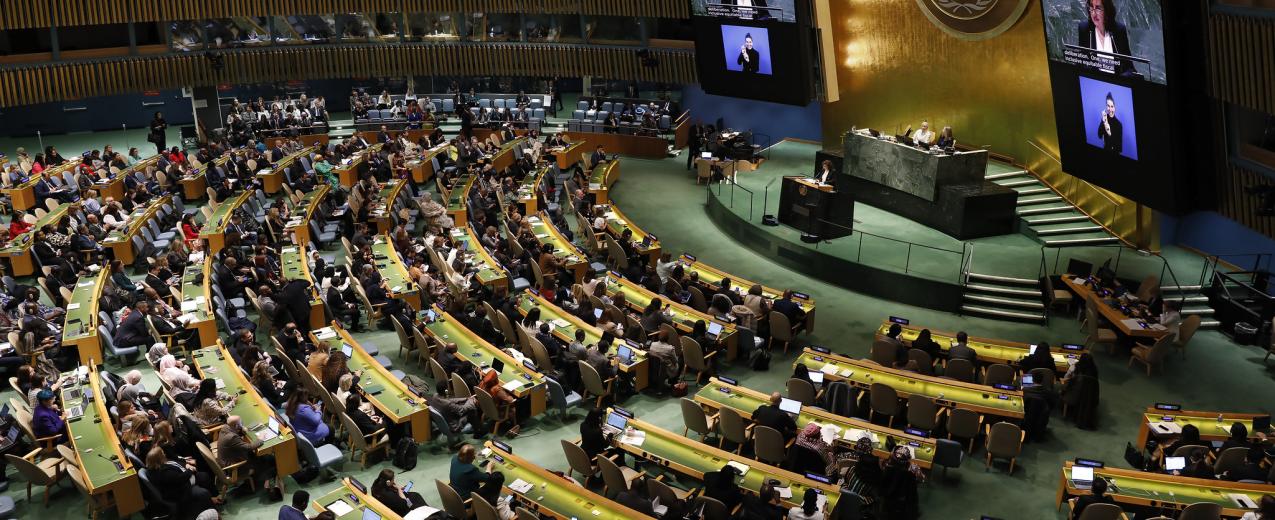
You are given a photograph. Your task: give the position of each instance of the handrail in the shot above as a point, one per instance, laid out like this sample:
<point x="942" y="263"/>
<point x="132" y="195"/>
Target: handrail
<point x="1098" y="189"/>
<point x="1165" y="267"/>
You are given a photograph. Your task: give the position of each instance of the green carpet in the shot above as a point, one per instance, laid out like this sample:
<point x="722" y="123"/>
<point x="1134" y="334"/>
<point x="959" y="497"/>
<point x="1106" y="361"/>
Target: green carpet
<point x="663" y="198"/>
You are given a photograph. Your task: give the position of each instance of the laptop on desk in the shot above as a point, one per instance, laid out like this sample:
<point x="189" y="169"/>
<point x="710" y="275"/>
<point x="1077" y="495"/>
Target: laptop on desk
<point x="615" y="423"/>
<point x="1082" y="477"/>
<point x="714" y="329"/>
<point x="791" y="406"/>
<point x="625" y="353"/>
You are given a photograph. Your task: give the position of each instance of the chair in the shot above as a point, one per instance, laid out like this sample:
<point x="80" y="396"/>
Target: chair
<point x="801" y="390"/>
<point x="321" y="457"/>
<point x="1201" y="511"/>
<point x="769" y="445"/>
<point x="151" y="494"/>
<point x="616" y="478"/>
<point x="1154" y="354"/>
<point x="368" y="444"/>
<point x="1186" y="331"/>
<point x="731" y="427"/>
<point x="693" y="358"/>
<point x="884" y="400"/>
<point x="882" y="353"/>
<point x="491" y="411"/>
<point x="1004" y="441"/>
<point x="483" y="510"/>
<point x="455" y="506"/>
<point x="960" y="370"/>
<point x="948" y="453"/>
<point x="695" y="420"/>
<point x="97" y="502"/>
<point x="656" y="488"/>
<point x="560" y="399"/>
<point x="593" y="383"/>
<point x="703" y="171"/>
<point x="780" y="330"/>
<point x="924" y="363"/>
<point x="46" y="473"/>
<point x="1231" y="458"/>
<point x="523" y="513"/>
<point x="1057" y="297"/>
<point x="1095" y="335"/>
<point x="1102" y="512"/>
<point x="577" y="460"/>
<point x="923" y="413"/>
<point x="127" y="353"/>
<point x="225" y="476"/>
<point x="713" y="508"/>
<point x="459" y="387"/>
<point x="698" y="301"/>
<point x="1149" y="287"/>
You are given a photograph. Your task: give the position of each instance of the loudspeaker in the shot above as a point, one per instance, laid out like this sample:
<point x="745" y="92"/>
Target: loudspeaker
<point x="809" y="238"/>
<point x="769" y="220"/>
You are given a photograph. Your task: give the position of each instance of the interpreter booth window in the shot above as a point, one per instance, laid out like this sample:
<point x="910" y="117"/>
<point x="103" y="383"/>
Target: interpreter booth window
<point x="386" y="25"/>
<point x="225" y="33"/>
<point x="613" y="29"/>
<point x="186" y="35"/>
<point x="568" y="28"/>
<point x="282" y="31"/>
<point x="311" y="28"/>
<point x="1252" y="136"/>
<point x="540" y="27"/>
<point x="670" y="29"/>
<point x="432" y="27"/>
<point x="494" y="27"/>
<point x="25" y="41"/>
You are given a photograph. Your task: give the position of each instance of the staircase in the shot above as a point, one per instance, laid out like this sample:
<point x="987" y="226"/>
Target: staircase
<point x="1046" y="217"/>
<point x="1003" y="297"/>
<point x="1195" y="303"/>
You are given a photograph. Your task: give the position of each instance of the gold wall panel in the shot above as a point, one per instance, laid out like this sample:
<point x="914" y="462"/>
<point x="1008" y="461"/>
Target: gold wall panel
<point x="1242" y="60"/>
<point x="896" y="68"/>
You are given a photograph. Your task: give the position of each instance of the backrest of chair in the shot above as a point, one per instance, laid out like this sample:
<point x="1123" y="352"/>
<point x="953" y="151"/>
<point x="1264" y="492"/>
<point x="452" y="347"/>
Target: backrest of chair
<point x="77" y="478"/>
<point x="1005" y="440"/>
<point x="1230" y="459"/>
<point x="1187" y="329"/>
<point x="731" y="425"/>
<point x="693" y="354"/>
<point x="452" y="503"/>
<point x="768" y="444"/>
<point x="483" y="509"/>
<point x="714" y="509"/>
<point x="693" y="416"/>
<point x="884" y="398"/>
<point x="999" y="374"/>
<point x="523" y="513"/>
<point x="1201" y="511"/>
<point x="437" y="370"/>
<point x="29" y="470"/>
<point x="459" y="387"/>
<point x="592" y="380"/>
<point x="1160" y="349"/>
<point x="612" y="476"/>
<point x="883" y="352"/>
<point x="211" y="460"/>
<point x="948" y="453"/>
<point x="1043" y="376"/>
<point x="487" y="404"/>
<point x="307" y="451"/>
<point x="922" y="411"/>
<point x="698" y="302"/>
<point x="577" y="459"/>
<point x="801" y="390"/>
<point x="1101" y="512"/>
<point x="780" y="327"/>
<point x="1149" y="287"/>
<point x="924" y="363"/>
<point x="960" y="370"/>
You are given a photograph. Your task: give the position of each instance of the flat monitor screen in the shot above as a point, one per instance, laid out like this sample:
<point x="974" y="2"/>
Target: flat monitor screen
<point x="778" y="10"/>
<point x="746" y="49"/>
<point x="714" y="329"/>
<point x="616" y="420"/>
<point x="1028" y="380"/>
<point x="369" y="514"/>
<point x="1114" y="38"/>
<point x="1082" y="473"/>
<point x="790" y="405"/>
<point x="273" y="424"/>
<point x="497" y="365"/>
<point x="1174" y="463"/>
<point x="597" y="314"/>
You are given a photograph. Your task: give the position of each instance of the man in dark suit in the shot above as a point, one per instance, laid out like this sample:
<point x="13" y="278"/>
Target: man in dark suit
<point x="1101" y="32"/>
<point x="132" y="331"/>
<point x="771" y="416"/>
<point x="789" y="308"/>
<point x="234" y="446"/>
<point x="384" y="135"/>
<point x="599" y="156"/>
<point x="1252" y="468"/>
<point x="1110" y="130"/>
<point x="46" y="189"/>
<point x="748" y="57"/>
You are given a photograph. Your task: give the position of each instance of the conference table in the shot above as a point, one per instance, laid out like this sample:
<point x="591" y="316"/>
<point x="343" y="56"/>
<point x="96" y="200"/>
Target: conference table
<point x="529" y="190"/>
<point x="563" y="325"/>
<point x="547" y="234"/>
<point x="22" y="196"/>
<point x="549" y="494"/>
<point x="718" y="394"/>
<point x="989" y="350"/>
<point x="195" y="185"/>
<point x="114" y="187"/>
<point x="490" y="273"/>
<point x="353" y="502"/>
<point x="1165" y="423"/>
<point x="901" y="166"/>
<point x="381" y="209"/>
<point x="681" y="315"/>
<point x="712" y="277"/>
<point x="296" y="266"/>
<point x="602" y="178"/>
<point x="196" y="301"/>
<point x="617" y="223"/>
<point x="120" y="241"/>
<point x="18" y="249"/>
<point x="304" y="212"/>
<point x="272" y="177"/>
<point x="214" y="362"/>
<point x="1163" y="493"/>
<point x="80" y="323"/>
<point x="424" y="168"/>
<point x="99" y="454"/>
<point x="389" y="264"/>
<point x="566" y="156"/>
<point x="387" y="393"/>
<point x="1108" y="309"/>
<point x="692" y="459"/>
<point x="948" y="393"/>
<point x="458" y="199"/>
<point x="518" y="379"/>
<point x="348" y="170"/>
<point x="509" y="151"/>
<point x="214" y="231"/>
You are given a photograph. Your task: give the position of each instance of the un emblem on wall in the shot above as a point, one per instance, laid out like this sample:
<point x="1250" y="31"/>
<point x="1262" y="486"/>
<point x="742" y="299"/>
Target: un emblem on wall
<point x="973" y="19"/>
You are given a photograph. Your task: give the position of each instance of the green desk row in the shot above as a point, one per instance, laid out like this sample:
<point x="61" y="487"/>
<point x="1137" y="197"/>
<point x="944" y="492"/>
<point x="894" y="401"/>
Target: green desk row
<point x="386" y="392"/>
<point x="1160" y="490"/>
<point x="489" y="270"/>
<point x="516" y="378"/>
<point x="988" y="350"/>
<point x="555" y="495"/>
<point x="356" y="500"/>
<point x="98" y="451"/>
<point x="255" y="412"/>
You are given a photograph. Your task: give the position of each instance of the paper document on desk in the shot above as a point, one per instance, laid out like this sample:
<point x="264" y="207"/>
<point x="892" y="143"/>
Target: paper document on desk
<point x="1243" y="501"/>
<point x="420" y="513"/>
<point x="1130" y="323"/>
<point x="512" y="385"/>
<point x="784" y="492"/>
<point x="325" y="333"/>
<point x="340" y="508"/>
<point x="72" y="306"/>
<point x="288" y="249"/>
<point x="829" y="432"/>
<point x="829" y="369"/>
<point x="854" y="434"/>
<point x="1157" y="326"/>
<point x="821" y="501"/>
<point x="1078" y="280"/>
<point x="634" y="438"/>
<point x="1166" y="428"/>
<point x="186" y="318"/>
<point x="561" y="323"/>
<point x="743" y="468"/>
<point x="520" y="486"/>
<point x="266" y="434"/>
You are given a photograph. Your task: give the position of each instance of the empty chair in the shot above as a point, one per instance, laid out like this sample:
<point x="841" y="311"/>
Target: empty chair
<point x="1201" y="511"/>
<point x="884" y="401"/>
<point x="713" y="508"/>
<point x="453" y="504"/>
<point x="948" y="453"/>
<point x="594" y="384"/>
<point x="47" y="473"/>
<point x="923" y="413"/>
<point x="694" y="359"/>
<point x="1154" y="354"/>
<point x="616" y="478"/>
<point x="1101" y="512"/>
<point x="1230" y="459"/>
<point x="960" y="370"/>
<point x="999" y="374"/>
<point x="1185" y="332"/>
<point x="883" y="353"/>
<point x="695" y="420"/>
<point x="780" y="329"/>
<point x="801" y="390"/>
<point x="769" y="445"/>
<point x="1004" y="441"/>
<point x="731" y="427"/>
<point x="1095" y="335"/>
<point x="483" y="510"/>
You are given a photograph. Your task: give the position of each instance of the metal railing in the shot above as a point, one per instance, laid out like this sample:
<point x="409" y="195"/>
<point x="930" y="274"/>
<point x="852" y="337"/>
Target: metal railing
<point x="1261" y="262"/>
<point x="1091" y="254"/>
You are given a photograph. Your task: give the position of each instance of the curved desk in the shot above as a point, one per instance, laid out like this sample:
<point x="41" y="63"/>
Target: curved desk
<point x="81" y="321"/>
<point x="196" y="301"/>
<point x="683" y="316"/>
<point x="1162" y="491"/>
<point x="458" y="199"/>
<point x="530" y="191"/>
<point x="195" y="185"/>
<point x="988" y="350"/>
<point x="563" y="325"/>
<point x="1167" y="424"/>
<point x="381" y="210"/>
<point x="601" y="178"/>
<point x="215" y="362"/>
<point x="390" y="265"/>
<point x="712" y="277"/>
<point x="490" y="272"/>
<point x="214" y="230"/>
<point x="303" y="212"/>
<point x="518" y="379"/>
<point x="295" y="266"/>
<point x="349" y="169"/>
<point x="547" y="234"/>
<point x="120" y="242"/>
<point x="617" y="223"/>
<point x="355" y="498"/>
<point x="98" y="452"/>
<point x="387" y="393"/>
<point x="18" y="249"/>
<point x="553" y="495"/>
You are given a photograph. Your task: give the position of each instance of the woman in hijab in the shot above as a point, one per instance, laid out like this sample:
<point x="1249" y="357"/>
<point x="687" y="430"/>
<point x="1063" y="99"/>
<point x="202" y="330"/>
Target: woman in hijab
<point x="811" y="438"/>
<point x="898" y="485"/>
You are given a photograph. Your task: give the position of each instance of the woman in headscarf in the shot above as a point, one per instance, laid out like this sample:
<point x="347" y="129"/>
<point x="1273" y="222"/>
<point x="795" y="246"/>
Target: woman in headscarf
<point x="811" y="438"/>
<point x="865" y="477"/>
<point x="898" y="485"/>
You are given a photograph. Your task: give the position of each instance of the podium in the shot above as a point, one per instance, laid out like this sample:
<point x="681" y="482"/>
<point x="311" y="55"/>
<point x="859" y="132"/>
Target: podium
<point x="815" y="209"/>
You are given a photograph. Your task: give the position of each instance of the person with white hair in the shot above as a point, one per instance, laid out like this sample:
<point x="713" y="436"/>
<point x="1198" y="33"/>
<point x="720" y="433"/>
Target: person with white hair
<point x="132" y="387"/>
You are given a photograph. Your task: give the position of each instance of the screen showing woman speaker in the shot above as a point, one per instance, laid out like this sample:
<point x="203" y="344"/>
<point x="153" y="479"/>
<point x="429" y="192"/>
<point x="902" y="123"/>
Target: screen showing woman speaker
<point x="746" y="49"/>
<point x="1122" y="38"/>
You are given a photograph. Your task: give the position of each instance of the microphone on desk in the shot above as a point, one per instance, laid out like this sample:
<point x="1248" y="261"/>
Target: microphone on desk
<point x="118" y="466"/>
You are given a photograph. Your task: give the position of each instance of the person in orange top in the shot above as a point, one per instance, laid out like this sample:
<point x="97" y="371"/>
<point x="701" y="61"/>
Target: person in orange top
<point x="490" y="383"/>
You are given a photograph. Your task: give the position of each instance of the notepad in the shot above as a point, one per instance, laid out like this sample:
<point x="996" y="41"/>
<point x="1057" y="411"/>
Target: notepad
<point x="743" y="468"/>
<point x="340" y="508"/>
<point x="512" y="385"/>
<point x="1131" y="323"/>
<point x="829" y="369"/>
<point x="1166" y="428"/>
<point x="72" y="306"/>
<point x="784" y="492"/>
<point x="1242" y="500"/>
<point x="420" y="513"/>
<point x="325" y="333"/>
<point x="633" y="438"/>
<point x="520" y="486"/>
<point x="854" y="434"/>
<point x="561" y="323"/>
<point x="189" y="305"/>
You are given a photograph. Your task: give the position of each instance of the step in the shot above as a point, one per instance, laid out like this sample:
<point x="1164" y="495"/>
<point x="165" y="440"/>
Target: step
<point x="1180" y="288"/>
<point x="1015" y="184"/>
<point x="1081" y="241"/>
<point x="1034" y="191"/>
<point x="1002" y="313"/>
<point x="1005" y="302"/>
<point x="1038" y="200"/>
<point x="1034" y="293"/>
<point x="1203" y="311"/>
<point x="1067" y="230"/>
<point x="1005" y="175"/>
<point x="1057" y="220"/>
<point x="1210" y="324"/>
<point x="1002" y="279"/>
<point x="1192" y="299"/>
<point x="1044" y="211"/>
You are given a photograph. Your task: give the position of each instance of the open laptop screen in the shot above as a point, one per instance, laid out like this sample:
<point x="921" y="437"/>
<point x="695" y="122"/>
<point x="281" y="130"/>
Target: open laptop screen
<point x="790" y="405"/>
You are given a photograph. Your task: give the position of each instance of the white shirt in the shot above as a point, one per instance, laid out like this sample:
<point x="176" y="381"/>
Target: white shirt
<point x="1104" y="43"/>
<point x="825" y="176"/>
<point x="797" y="514"/>
<point x="923" y="136"/>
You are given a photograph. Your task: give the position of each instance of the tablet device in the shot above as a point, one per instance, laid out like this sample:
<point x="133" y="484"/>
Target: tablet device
<point x="369" y="514"/>
<point x="597" y="314"/>
<point x="497" y="365"/>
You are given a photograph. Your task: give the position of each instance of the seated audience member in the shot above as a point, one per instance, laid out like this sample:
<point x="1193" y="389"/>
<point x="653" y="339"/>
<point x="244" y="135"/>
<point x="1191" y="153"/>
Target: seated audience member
<point x="388" y="492"/>
<point x="296" y="510"/>
<point x="467" y="478"/>
<point x="306" y="415"/>
<point x="721" y="485"/>
<point x="962" y="350"/>
<point x="809" y="508"/>
<point x="771" y="416"/>
<point x="1265" y="510"/>
<point x="176" y="482"/>
<point x="1097" y="495"/>
<point x="235" y="445"/>
<point x="47" y="419"/>
<point x="1251" y="470"/>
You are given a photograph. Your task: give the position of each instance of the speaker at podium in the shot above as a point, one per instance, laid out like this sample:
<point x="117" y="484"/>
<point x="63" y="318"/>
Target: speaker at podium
<point x="815" y="209"/>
